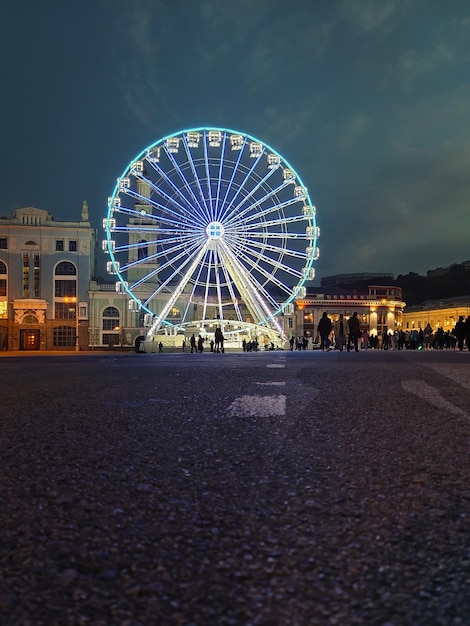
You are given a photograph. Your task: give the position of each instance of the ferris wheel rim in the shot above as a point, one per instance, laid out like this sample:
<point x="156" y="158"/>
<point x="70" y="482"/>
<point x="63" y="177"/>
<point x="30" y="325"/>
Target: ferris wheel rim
<point x="226" y="131"/>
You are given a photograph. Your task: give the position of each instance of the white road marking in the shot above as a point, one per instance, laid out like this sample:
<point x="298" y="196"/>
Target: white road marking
<point x="276" y="365"/>
<point x="279" y="384"/>
<point x="433" y="396"/>
<point x="258" y="406"/>
<point x="457" y="373"/>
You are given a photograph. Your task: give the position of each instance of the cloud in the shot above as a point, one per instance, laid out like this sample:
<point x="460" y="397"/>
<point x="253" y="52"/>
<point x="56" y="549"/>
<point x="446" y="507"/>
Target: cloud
<point x="369" y="15"/>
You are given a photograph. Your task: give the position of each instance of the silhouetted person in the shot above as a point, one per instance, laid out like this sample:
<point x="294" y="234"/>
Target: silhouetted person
<point x="354" y="331"/>
<point x="324" y="330"/>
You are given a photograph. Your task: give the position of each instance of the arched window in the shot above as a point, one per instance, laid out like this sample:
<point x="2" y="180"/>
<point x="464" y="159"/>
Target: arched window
<point x="65" y="291"/>
<point x="110" y="318"/>
<point x="30" y="319"/>
<point x="3" y="289"/>
<point x="110" y="326"/>
<point x="3" y="282"/>
<point x="65" y="268"/>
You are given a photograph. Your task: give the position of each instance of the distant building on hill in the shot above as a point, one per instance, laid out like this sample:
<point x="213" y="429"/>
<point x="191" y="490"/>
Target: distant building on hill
<point x="350" y="279"/>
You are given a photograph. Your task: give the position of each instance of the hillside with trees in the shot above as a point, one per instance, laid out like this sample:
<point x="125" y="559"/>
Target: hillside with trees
<point x="416" y="289"/>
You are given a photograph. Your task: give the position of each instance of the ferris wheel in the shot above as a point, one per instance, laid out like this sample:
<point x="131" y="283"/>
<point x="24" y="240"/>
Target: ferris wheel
<point x="211" y="227"/>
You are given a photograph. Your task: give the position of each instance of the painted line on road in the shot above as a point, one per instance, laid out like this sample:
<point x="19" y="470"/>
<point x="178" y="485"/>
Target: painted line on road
<point x="455" y="372"/>
<point x="258" y="406"/>
<point x="433" y="396"/>
<point x="276" y="365"/>
<point x="273" y="383"/>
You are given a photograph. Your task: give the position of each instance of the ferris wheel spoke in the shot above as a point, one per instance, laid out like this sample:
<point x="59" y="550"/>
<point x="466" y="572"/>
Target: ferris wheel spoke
<point x="231" y="290"/>
<point x="248" y="289"/>
<point x="196" y="282"/>
<point x="270" y="248"/>
<point x="219" y="178"/>
<point x="195" y="207"/>
<point x="276" y="264"/>
<point x="235" y="167"/>
<point x="271" y="276"/>
<point x="154" y="257"/>
<point x="162" y="287"/>
<point x="203" y="205"/>
<point x="276" y="235"/>
<point x="277" y="209"/>
<point x="182" y="251"/>
<point x="178" y="291"/>
<point x="236" y="211"/>
<point x="150" y="217"/>
<point x="205" y="283"/>
<point x="187" y="207"/>
<point x="208" y="179"/>
<point x="276" y="222"/>
<point x="252" y="290"/>
<point x="228" y="210"/>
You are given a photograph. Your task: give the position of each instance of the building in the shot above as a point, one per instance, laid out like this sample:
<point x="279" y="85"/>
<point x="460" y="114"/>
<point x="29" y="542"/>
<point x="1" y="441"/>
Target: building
<point x="352" y="279"/>
<point x="443" y="313"/>
<point x="380" y="309"/>
<point x="45" y="271"/>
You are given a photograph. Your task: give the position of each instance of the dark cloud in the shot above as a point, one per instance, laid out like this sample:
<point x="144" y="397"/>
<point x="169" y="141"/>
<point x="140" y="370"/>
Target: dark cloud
<point x="368" y="101"/>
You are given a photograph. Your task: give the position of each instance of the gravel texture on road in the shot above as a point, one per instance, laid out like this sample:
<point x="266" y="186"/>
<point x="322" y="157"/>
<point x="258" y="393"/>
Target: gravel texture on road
<point x="132" y="494"/>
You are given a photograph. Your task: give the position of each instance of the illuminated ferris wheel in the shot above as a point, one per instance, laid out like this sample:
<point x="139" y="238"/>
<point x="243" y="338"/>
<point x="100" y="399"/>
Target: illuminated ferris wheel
<point x="211" y="226"/>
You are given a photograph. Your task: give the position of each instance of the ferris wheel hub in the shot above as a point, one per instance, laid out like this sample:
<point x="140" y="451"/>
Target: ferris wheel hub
<point x="215" y="230"/>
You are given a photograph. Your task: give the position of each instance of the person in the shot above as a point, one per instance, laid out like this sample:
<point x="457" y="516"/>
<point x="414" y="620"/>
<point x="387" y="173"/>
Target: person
<point x="291" y="343"/>
<point x="427" y="336"/>
<point x="460" y="332"/>
<point x="365" y="340"/>
<point x="324" y="329"/>
<point x="467" y="334"/>
<point x="192" y="343"/>
<point x="354" y="331"/>
<point x="160" y="347"/>
<point x="340" y="332"/>
<point x="200" y="344"/>
<point x="219" y="340"/>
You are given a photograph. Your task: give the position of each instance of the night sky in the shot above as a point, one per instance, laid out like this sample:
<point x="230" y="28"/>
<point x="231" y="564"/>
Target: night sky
<point x="369" y="100"/>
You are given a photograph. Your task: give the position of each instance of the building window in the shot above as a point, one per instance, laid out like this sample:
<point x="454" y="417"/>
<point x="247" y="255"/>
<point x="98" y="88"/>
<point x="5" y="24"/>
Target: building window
<point x="72" y="245"/>
<point x="25" y="275"/>
<point x="65" y="288"/>
<point x="3" y="243"/>
<point x="36" y="276"/>
<point x="3" y="281"/>
<point x="65" y="310"/>
<point x="142" y="250"/>
<point x="3" y="311"/>
<point x="63" y="336"/>
<point x="110" y="318"/>
<point x="65" y="268"/>
<point x="59" y="245"/>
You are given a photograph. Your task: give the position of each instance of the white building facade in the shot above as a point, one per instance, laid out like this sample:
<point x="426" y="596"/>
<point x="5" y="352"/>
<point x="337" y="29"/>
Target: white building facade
<point x="45" y="271"/>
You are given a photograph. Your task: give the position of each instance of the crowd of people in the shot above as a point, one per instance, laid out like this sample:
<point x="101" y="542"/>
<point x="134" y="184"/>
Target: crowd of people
<point x="347" y="335"/>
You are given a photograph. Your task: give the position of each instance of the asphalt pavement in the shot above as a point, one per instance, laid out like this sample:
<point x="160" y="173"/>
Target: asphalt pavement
<point x="268" y="488"/>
